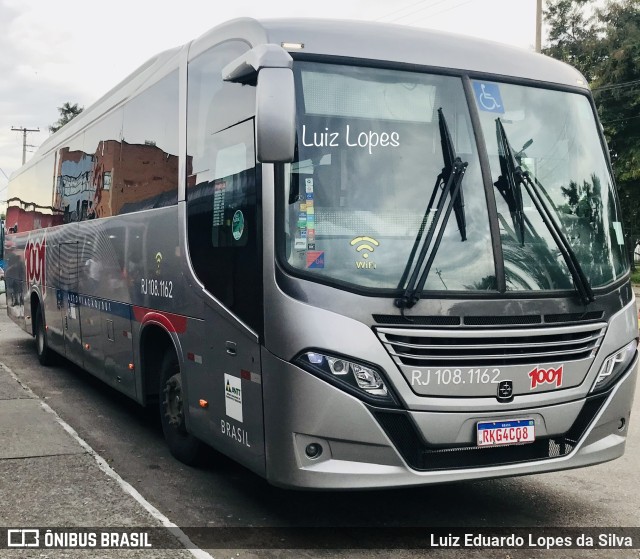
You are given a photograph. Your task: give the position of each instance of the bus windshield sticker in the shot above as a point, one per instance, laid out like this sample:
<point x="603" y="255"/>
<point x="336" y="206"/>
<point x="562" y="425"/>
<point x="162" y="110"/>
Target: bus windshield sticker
<point x="302" y="220"/>
<point x="364" y="247"/>
<point x="488" y="97"/>
<point x="308" y="183"/>
<point x="315" y="259"/>
<point x="218" y="203"/>
<point x="233" y="397"/>
<point x="237" y="225"/>
<point x="617" y="227"/>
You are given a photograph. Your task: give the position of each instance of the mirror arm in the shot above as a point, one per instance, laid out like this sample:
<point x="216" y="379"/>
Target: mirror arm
<point x="245" y="68"/>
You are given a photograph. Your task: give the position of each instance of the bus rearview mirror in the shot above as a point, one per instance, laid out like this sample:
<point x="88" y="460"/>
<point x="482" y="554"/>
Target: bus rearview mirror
<point x="275" y="115"/>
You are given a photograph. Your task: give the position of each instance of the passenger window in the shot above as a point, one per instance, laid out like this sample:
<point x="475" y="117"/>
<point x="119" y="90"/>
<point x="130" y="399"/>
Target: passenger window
<point x="126" y="162"/>
<point x="149" y="168"/>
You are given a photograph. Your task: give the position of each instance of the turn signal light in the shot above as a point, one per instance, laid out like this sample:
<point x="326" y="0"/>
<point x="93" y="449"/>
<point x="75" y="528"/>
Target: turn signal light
<point x="204" y="404"/>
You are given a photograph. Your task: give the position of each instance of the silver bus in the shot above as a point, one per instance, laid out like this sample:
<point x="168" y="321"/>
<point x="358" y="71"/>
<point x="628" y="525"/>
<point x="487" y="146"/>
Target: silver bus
<point x="344" y="254"/>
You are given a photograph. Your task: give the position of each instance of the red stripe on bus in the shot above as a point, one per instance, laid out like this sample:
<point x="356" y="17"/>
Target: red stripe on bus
<point x="172" y="322"/>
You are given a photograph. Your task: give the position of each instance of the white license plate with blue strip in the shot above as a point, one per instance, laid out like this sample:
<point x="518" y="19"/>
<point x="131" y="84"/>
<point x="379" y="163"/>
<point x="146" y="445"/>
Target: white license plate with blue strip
<point x="512" y="431"/>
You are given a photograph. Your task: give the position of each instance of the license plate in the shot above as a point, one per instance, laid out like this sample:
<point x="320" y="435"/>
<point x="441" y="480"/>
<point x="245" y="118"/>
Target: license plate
<point x="513" y="431"/>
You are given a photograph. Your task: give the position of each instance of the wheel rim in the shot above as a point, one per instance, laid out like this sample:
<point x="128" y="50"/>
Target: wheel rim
<point x="173" y="403"/>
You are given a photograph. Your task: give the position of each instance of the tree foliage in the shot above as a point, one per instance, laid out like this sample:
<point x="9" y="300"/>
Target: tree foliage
<point x="67" y="113"/>
<point x="603" y="42"/>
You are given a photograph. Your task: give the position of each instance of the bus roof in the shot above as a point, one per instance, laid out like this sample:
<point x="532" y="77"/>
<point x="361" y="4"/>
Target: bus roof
<point x="341" y="38"/>
<point x="397" y="43"/>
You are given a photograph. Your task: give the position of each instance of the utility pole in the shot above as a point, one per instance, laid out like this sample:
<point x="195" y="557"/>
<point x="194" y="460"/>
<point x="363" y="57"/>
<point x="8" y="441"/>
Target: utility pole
<point x="538" y="25"/>
<point x="24" y="131"/>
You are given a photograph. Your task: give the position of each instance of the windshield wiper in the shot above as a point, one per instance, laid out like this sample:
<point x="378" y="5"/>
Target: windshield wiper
<point x="519" y="177"/>
<point x="449" y="156"/>
<point x="448" y="182"/>
<point x="507" y="183"/>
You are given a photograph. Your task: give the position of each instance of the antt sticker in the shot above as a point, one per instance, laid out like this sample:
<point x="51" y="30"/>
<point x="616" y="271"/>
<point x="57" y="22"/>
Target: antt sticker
<point x="233" y="397"/>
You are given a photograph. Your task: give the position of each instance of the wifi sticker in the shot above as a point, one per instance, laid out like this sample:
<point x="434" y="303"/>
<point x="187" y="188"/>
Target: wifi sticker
<point x="364" y="245"/>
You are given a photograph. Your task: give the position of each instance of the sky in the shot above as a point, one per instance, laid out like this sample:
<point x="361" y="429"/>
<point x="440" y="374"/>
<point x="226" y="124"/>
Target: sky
<point x="57" y="51"/>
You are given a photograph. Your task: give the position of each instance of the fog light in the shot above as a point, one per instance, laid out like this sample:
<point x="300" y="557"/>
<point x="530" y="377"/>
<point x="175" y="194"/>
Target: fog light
<point x="313" y="450"/>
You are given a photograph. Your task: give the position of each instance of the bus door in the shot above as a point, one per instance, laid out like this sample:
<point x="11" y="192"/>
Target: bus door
<point x="106" y="323"/>
<point x="71" y="324"/>
<point x="224" y="231"/>
<point x="116" y="316"/>
<point x="90" y="307"/>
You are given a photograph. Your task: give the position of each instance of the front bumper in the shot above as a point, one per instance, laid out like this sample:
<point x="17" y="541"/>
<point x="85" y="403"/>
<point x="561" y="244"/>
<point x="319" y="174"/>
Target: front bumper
<point x="362" y="451"/>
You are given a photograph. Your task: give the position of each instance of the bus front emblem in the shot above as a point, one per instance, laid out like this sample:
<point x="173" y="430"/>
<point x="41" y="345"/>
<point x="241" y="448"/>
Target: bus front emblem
<point x="505" y="391"/>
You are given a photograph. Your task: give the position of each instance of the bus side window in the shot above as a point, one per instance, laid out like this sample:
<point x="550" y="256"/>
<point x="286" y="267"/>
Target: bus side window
<point x="223" y="222"/>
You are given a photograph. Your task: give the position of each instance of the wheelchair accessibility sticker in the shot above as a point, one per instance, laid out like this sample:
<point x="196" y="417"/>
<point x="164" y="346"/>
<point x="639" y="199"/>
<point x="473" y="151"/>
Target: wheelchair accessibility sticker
<point x="488" y="97"/>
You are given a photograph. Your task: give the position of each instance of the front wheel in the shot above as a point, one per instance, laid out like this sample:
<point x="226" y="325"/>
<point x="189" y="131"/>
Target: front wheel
<point x="182" y="445"/>
<point x="45" y="355"/>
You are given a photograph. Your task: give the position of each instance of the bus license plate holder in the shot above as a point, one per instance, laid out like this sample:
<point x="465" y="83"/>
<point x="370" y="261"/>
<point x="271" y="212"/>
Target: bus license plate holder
<point x="505" y="432"/>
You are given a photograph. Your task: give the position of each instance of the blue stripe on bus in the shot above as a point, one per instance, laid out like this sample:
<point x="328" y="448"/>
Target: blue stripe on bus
<point x="122" y="310"/>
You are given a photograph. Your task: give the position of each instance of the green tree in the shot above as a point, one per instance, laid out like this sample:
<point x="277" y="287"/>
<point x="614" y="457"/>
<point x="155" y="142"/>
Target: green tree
<point x="67" y="113"/>
<point x="604" y="44"/>
<point x="573" y="34"/>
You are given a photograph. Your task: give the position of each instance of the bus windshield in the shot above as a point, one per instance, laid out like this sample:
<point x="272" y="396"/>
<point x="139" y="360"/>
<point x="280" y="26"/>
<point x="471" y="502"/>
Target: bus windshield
<point x="369" y="155"/>
<point x="555" y="139"/>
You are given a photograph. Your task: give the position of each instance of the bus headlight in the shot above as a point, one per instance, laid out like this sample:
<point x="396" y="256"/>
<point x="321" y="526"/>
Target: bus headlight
<point x="614" y="365"/>
<point x="361" y="380"/>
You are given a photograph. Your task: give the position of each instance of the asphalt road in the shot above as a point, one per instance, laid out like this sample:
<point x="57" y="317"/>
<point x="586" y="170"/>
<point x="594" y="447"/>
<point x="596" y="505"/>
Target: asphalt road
<point x="221" y="493"/>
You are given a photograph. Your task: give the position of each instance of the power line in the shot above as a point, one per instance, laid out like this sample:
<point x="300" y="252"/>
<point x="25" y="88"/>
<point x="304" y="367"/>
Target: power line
<point x="616" y="86"/>
<point x="400" y="10"/>
<point x="24" y="131"/>
<point x="447" y="9"/>
<point x="431" y="15"/>
<point x="619" y="120"/>
<point x="414" y="12"/>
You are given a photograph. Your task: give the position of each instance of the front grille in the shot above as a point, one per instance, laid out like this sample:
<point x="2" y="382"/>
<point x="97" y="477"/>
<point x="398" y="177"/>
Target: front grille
<point x="438" y="320"/>
<point x="573" y="317"/>
<point x="502" y="320"/>
<point x="461" y="348"/>
<point x="516" y="320"/>
<point x="420" y="455"/>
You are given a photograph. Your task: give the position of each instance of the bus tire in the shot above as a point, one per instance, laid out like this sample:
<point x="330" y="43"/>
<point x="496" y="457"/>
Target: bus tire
<point x="45" y="354"/>
<point x="182" y="445"/>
